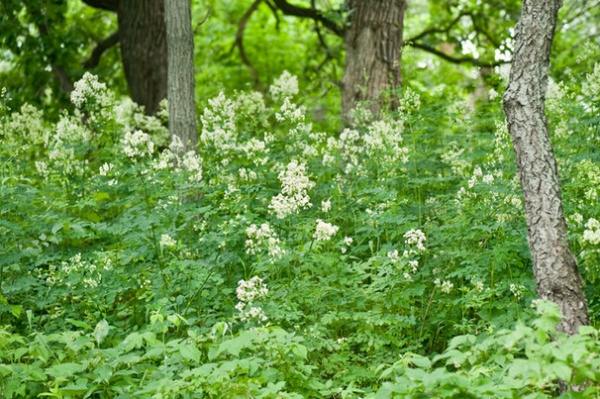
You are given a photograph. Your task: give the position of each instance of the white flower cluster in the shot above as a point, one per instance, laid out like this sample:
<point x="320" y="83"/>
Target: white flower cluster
<point x="446" y="286"/>
<point x="88" y="90"/>
<point x="167" y="241"/>
<point x="247" y="292"/>
<point x="382" y="143"/>
<point x="137" y="144"/>
<point x="415" y="238"/>
<point x="293" y="196"/>
<point x="591" y="86"/>
<point x="192" y="163"/>
<point x="218" y="124"/>
<point x="74" y="272"/>
<point x="284" y="87"/>
<point x="324" y="231"/>
<point x="290" y="112"/>
<point x="478" y="176"/>
<point x="591" y="234"/>
<point x="263" y="236"/>
<point x="220" y="133"/>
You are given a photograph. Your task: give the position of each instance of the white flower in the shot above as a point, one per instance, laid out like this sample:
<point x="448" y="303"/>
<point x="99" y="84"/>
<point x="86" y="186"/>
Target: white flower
<point x="348" y="241"/>
<point x="87" y="90"/>
<point x="104" y="169"/>
<point x="167" y="241"/>
<point x="326" y="206"/>
<point x="592" y="233"/>
<point x="137" y="144"/>
<point x="192" y="163"/>
<point x="247" y="292"/>
<point x="259" y="237"/>
<point x="324" y="231"/>
<point x="393" y="256"/>
<point x="415" y="237"/>
<point x="285" y="86"/>
<point x="447" y="286"/>
<point x="293" y="197"/>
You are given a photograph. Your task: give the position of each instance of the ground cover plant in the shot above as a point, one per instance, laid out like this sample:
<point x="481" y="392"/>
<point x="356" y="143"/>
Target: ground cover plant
<point x="387" y="260"/>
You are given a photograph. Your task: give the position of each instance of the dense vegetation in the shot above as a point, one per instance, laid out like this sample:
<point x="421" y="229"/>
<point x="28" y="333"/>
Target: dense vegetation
<point x="283" y="261"/>
<point x="290" y="257"/>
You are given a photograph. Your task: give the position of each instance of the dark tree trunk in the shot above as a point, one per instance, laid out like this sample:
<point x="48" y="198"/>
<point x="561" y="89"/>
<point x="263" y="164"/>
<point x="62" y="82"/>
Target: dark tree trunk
<point x="181" y="82"/>
<point x="554" y="265"/>
<point x="373" y="43"/>
<point x="142" y="34"/>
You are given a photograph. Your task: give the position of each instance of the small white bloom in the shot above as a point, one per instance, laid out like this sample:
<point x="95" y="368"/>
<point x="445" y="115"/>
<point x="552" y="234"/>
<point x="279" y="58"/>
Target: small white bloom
<point x="324" y="231"/>
<point x="167" y="241"/>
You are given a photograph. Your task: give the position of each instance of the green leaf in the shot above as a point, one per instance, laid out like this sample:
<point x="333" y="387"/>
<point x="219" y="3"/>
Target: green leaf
<point x="64" y="370"/>
<point x="190" y="352"/>
<point x="300" y="350"/>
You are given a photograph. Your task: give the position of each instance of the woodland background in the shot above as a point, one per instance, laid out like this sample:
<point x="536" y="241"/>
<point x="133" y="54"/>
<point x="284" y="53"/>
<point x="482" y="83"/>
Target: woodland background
<point x="301" y="251"/>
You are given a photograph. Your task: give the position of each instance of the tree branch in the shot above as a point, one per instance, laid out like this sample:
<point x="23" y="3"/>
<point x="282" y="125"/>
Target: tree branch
<point x="290" y="9"/>
<point x="239" y="43"/>
<point x="108" y="5"/>
<point x="100" y="48"/>
<point x="433" y="31"/>
<point x="456" y="60"/>
<point x="208" y="12"/>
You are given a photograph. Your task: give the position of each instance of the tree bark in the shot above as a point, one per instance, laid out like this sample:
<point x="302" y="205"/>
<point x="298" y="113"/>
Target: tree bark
<point x="554" y="266"/>
<point x="181" y="83"/>
<point x="142" y="34"/>
<point x="373" y="42"/>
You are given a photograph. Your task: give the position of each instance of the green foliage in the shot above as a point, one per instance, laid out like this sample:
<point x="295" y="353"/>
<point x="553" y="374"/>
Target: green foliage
<point x="282" y="261"/>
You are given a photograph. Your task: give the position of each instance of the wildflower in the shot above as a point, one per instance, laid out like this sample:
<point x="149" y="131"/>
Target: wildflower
<point x="324" y="231"/>
<point x="167" y="241"/>
<point x="290" y="111"/>
<point x="104" y="169"/>
<point x="192" y="163"/>
<point x="247" y="292"/>
<point x="591" y="234"/>
<point x="284" y="87"/>
<point x="326" y="206"/>
<point x="348" y="241"/>
<point x="137" y="144"/>
<point x="415" y="237"/>
<point x="393" y="256"/>
<point x="293" y="197"/>
<point x="447" y="287"/>
<point x="89" y="90"/>
<point x="259" y="237"/>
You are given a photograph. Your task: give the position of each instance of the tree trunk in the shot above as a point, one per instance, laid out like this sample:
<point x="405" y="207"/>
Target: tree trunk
<point x="181" y="83"/>
<point x="142" y="34"/>
<point x="373" y="43"/>
<point x="554" y="266"/>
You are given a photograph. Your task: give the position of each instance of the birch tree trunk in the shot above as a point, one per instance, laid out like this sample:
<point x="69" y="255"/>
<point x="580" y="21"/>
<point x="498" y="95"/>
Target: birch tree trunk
<point x="373" y="42"/>
<point x="554" y="266"/>
<point x="181" y="80"/>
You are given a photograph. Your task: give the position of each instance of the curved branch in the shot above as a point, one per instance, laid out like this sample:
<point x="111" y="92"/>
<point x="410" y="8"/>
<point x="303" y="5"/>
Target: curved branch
<point x="239" y="43"/>
<point x="208" y="12"/>
<point x="273" y="8"/>
<point x="433" y="31"/>
<point x="456" y="60"/>
<point x="290" y="9"/>
<point x="100" y="48"/>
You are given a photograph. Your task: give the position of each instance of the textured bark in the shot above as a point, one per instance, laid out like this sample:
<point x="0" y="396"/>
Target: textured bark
<point x="143" y="38"/>
<point x="373" y="43"/>
<point x="554" y="265"/>
<point x="181" y="83"/>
